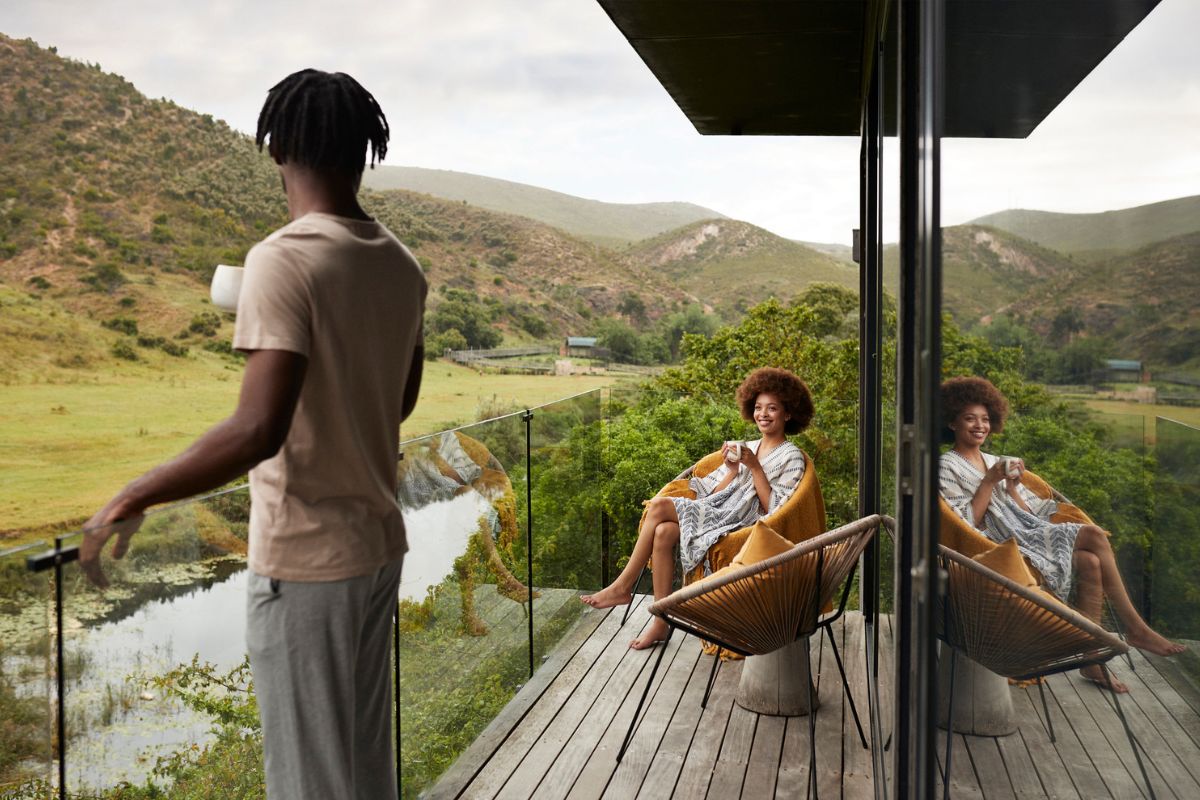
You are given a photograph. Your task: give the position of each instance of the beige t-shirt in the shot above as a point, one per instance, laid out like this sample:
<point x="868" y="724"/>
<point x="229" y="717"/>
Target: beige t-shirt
<point x="350" y="297"/>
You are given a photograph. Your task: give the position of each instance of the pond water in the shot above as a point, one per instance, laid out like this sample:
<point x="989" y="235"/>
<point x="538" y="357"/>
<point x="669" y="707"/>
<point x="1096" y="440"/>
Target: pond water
<point x="117" y="727"/>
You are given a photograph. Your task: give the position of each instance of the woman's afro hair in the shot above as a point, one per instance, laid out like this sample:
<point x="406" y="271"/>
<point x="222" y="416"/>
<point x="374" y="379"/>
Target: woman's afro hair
<point x="786" y="387"/>
<point x="958" y="393"/>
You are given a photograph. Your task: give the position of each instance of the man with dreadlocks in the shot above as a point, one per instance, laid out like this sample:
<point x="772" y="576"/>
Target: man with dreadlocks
<point x="330" y="316"/>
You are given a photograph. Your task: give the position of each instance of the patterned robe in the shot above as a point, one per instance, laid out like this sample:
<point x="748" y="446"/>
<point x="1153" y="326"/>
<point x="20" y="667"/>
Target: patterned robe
<point x="1049" y="546"/>
<point x="712" y="515"/>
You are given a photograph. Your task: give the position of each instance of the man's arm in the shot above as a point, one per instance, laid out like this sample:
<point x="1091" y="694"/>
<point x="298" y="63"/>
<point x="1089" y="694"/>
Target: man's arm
<point x="413" y="387"/>
<point x="270" y="390"/>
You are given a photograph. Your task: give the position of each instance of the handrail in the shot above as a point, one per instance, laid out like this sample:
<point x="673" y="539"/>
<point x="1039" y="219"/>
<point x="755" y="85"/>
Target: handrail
<point x="517" y="413"/>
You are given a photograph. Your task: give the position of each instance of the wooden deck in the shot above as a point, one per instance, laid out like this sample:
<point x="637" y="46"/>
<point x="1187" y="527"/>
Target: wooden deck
<point x="559" y="736"/>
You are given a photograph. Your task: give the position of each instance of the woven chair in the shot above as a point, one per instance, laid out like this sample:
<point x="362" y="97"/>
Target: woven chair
<point x="758" y="608"/>
<point x="801" y="517"/>
<point x="1018" y="632"/>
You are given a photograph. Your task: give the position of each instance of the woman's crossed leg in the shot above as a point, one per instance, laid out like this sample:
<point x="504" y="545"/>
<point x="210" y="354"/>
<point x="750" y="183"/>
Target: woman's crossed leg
<point x="657" y="537"/>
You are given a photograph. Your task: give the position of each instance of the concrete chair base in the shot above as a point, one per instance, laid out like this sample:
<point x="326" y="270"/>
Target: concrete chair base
<point x="777" y="683"/>
<point x="982" y="699"/>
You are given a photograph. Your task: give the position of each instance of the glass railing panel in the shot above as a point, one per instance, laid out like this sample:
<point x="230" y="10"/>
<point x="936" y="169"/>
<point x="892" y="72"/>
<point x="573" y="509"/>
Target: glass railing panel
<point x="463" y="614"/>
<point x="1175" y="549"/>
<point x="569" y="545"/>
<point x="157" y="690"/>
<point x="27" y="718"/>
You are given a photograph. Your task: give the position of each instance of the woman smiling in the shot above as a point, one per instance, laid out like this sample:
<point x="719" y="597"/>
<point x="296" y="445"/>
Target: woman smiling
<point x="987" y="492"/>
<point x="754" y="480"/>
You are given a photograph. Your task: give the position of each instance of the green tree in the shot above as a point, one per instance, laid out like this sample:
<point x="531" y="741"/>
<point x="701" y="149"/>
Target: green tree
<point x="462" y="311"/>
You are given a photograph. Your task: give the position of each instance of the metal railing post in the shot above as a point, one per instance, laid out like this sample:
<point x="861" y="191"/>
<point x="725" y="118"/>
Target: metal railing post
<point x="528" y="417"/>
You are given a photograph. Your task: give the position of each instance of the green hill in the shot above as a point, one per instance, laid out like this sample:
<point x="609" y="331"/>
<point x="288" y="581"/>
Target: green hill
<point x="610" y="224"/>
<point x="1142" y="302"/>
<point x="116" y="208"/>
<point x="987" y="270"/>
<point x="1103" y="234"/>
<point x="731" y="265"/>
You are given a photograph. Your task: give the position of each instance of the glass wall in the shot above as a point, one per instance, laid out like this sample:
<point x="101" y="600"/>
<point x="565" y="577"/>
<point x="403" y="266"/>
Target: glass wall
<point x="471" y="630"/>
<point x="27" y="728"/>
<point x="157" y="683"/>
<point x="1174" y="601"/>
<point x="464" y="601"/>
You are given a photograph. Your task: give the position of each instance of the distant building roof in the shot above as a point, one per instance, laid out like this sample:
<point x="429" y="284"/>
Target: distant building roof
<point x="581" y="341"/>
<point x="1119" y="363"/>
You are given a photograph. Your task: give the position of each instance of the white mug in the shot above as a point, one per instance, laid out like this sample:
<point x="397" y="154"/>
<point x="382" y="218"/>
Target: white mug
<point x="1012" y="467"/>
<point x="226" y="283"/>
<point x="735" y="450"/>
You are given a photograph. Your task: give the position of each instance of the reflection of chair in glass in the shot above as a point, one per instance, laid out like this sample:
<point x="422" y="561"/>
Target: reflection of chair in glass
<point x="755" y="609"/>
<point x="994" y="615"/>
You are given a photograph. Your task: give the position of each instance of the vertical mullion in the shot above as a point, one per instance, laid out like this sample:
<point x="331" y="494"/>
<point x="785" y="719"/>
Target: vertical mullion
<point x="918" y="377"/>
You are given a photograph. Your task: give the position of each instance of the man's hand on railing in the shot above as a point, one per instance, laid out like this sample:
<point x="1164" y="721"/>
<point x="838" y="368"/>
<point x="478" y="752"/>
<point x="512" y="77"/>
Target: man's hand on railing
<point x="113" y="519"/>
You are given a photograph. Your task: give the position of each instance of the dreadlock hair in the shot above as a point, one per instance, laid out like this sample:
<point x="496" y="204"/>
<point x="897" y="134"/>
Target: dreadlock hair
<point x="323" y="120"/>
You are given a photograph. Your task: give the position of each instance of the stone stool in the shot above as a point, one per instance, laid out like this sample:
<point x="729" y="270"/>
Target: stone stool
<point x="982" y="699"/>
<point x="777" y="683"/>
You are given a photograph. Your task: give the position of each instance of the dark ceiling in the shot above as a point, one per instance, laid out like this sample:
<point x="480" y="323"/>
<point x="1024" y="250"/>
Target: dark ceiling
<point x="794" y="67"/>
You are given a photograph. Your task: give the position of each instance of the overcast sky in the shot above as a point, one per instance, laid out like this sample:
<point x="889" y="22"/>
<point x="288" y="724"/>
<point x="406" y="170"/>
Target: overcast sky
<point x="547" y="92"/>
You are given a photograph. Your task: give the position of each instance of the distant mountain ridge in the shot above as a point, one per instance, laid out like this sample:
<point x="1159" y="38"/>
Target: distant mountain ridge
<point x="610" y="224"/>
<point x="731" y="265"/>
<point x="1104" y="233"/>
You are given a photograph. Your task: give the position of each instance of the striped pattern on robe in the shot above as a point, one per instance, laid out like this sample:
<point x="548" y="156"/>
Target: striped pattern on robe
<point x="712" y="515"/>
<point x="1049" y="546"/>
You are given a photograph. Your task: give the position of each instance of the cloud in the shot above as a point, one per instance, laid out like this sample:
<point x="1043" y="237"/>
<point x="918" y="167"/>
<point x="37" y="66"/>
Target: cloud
<point x="548" y="92"/>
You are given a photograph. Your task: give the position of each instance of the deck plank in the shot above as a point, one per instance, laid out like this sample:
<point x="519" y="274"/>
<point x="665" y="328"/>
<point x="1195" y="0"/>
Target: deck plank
<point x="829" y="715"/>
<point x="792" y="781"/>
<point x="1177" y="712"/>
<point x="629" y="775"/>
<point x="702" y="754"/>
<point x="963" y="781"/>
<point x="857" y="777"/>
<point x="587" y="764"/>
<point x="1105" y="763"/>
<point x="1044" y="775"/>
<point x="553" y="678"/>
<point x="585" y="673"/>
<point x="559" y="736"/>
<point x="1098" y="704"/>
<point x="990" y="769"/>
<point x="568" y="741"/>
<point x="675" y="743"/>
<point x="763" y="766"/>
<point x="1156" y="731"/>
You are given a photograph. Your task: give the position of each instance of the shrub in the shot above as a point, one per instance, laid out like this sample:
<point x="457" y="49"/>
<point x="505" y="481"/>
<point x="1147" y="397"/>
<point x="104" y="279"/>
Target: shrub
<point x="38" y="282"/>
<point x="105" y="278"/>
<point x="124" y="349"/>
<point x="206" y="323"/>
<point x="124" y="325"/>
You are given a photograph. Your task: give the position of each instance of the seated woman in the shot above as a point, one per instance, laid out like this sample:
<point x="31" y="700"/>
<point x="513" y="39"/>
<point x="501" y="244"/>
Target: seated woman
<point x="975" y="485"/>
<point x="754" y="480"/>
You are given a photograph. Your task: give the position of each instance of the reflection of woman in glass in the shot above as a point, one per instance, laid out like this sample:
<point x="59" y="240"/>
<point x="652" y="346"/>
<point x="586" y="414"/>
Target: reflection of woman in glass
<point x="989" y="495"/>
<point x="754" y="480"/>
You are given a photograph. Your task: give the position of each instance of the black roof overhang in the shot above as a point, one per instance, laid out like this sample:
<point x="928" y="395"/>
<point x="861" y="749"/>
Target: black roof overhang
<point x="795" y="67"/>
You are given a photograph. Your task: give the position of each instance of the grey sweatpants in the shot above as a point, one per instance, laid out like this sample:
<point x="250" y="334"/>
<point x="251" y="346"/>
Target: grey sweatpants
<point x="320" y="656"/>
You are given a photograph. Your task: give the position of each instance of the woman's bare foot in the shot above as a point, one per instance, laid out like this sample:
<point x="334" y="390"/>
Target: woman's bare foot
<point x="655" y="634"/>
<point x="607" y="597"/>
<point x="1154" y="643"/>
<point x="1104" y="679"/>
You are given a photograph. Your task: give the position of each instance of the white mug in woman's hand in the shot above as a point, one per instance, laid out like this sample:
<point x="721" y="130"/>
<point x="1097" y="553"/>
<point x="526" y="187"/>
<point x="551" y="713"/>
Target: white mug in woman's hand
<point x="226" y="283"/>
<point x="1013" y="467"/>
<point x="733" y="451"/>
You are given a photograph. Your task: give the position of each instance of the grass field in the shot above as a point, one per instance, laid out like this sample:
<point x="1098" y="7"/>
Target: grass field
<point x="1132" y="423"/>
<point x="66" y="445"/>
